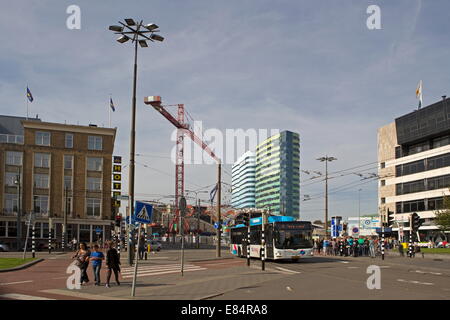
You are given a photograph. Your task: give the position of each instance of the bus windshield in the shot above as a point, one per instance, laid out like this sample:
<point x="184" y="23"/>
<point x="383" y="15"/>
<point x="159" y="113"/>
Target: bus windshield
<point x="293" y="239"/>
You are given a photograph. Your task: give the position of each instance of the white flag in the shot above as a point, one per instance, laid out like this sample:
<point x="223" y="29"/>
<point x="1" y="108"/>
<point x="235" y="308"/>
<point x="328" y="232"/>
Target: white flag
<point x="419" y="94"/>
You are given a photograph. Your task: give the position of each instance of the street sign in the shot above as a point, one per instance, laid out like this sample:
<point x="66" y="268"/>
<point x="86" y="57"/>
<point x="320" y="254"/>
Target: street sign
<point x="143" y="212"/>
<point x="122" y="197"/>
<point x="216" y="225"/>
<point x="355" y="230"/>
<point x="98" y="230"/>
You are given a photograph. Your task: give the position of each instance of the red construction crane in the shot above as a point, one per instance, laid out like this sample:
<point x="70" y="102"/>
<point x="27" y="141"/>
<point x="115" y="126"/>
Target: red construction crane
<point x="183" y="129"/>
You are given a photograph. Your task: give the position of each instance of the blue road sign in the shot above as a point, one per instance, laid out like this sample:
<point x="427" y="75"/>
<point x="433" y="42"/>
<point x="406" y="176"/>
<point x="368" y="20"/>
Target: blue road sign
<point x="216" y="225"/>
<point x="143" y="212"/>
<point x="98" y="230"/>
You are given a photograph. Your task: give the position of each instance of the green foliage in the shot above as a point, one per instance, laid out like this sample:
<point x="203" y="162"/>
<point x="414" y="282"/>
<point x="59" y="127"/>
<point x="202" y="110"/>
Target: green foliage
<point x="443" y="215"/>
<point x="6" y="263"/>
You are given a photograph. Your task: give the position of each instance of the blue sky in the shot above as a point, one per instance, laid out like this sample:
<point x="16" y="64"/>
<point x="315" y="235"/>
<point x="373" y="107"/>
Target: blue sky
<point x="308" y="66"/>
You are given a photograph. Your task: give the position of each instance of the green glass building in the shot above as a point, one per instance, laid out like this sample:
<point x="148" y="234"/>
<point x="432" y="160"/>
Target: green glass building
<point x="278" y="174"/>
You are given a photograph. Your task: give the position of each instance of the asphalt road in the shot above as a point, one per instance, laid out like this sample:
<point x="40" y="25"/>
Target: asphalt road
<point x="346" y="278"/>
<point x="229" y="278"/>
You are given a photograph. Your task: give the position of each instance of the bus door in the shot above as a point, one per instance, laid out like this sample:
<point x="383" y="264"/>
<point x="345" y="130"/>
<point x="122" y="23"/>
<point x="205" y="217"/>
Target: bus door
<point x="269" y="240"/>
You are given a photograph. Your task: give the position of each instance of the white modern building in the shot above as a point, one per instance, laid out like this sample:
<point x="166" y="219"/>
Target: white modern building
<point x="414" y="167"/>
<point x="243" y="181"/>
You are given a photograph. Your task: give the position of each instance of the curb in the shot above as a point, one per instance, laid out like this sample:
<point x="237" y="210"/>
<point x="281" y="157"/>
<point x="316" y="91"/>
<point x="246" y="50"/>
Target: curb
<point x="23" y="266"/>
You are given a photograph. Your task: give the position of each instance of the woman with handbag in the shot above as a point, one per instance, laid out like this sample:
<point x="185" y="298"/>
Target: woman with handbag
<point x="82" y="262"/>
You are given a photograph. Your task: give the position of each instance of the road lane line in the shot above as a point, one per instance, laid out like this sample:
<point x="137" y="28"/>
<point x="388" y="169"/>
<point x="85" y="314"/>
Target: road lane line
<point x="287" y="270"/>
<point x="18" y="296"/>
<point x="18" y="282"/>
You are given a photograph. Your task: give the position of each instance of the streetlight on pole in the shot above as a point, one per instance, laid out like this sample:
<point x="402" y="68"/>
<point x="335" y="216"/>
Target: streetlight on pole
<point x="326" y="159"/>
<point x="359" y="210"/>
<point x="138" y="33"/>
<point x="197" y="201"/>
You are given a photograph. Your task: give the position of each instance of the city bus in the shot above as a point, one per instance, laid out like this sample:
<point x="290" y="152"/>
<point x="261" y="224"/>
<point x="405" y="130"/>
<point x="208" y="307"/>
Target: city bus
<point x="286" y="239"/>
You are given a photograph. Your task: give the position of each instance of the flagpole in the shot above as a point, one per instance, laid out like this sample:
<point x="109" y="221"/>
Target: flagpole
<point x="110" y="110"/>
<point x="27" y="101"/>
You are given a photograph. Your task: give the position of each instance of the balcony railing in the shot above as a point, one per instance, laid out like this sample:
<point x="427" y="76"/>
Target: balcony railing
<point x="11" y="138"/>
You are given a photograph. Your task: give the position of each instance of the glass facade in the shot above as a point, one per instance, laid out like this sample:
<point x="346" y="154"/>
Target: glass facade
<point x="278" y="174"/>
<point x="243" y="181"/>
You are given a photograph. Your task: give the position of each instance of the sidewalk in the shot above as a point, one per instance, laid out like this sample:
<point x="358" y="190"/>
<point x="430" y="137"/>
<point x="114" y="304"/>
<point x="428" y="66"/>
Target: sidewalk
<point x="197" y="285"/>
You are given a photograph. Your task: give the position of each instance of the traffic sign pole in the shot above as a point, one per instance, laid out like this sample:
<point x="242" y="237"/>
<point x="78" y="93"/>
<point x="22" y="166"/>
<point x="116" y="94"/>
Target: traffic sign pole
<point x="133" y="287"/>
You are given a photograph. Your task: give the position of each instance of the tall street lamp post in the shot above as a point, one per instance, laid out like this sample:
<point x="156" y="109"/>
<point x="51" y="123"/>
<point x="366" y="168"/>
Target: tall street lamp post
<point x="326" y="159"/>
<point x="138" y="33"/>
<point x="197" y="201"/>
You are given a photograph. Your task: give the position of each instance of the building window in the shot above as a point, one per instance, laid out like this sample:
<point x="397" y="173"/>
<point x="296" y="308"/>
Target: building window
<point x="40" y="204"/>
<point x="11" y="202"/>
<point x="68" y="182"/>
<point x="94" y="143"/>
<point x="93" y="207"/>
<point x="2" y="228"/>
<point x="69" y="140"/>
<point x="383" y="200"/>
<point x="94" y="164"/>
<point x="383" y="165"/>
<point x="42" y="138"/>
<point x="383" y="183"/>
<point x="94" y="184"/>
<point x="42" y="160"/>
<point x="12" y="229"/>
<point x="68" y="161"/>
<point x="11" y="178"/>
<point x="13" y="158"/>
<point x="41" y="181"/>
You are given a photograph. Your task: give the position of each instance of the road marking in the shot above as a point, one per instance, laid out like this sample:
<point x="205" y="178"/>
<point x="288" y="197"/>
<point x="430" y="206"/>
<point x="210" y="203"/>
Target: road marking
<point x="344" y="262"/>
<point x="416" y="282"/>
<point x="18" y="296"/>
<point x="159" y="269"/>
<point x="215" y="264"/>
<point x="286" y="270"/>
<point x="18" y="282"/>
<point x="384" y="267"/>
<point x="353" y="267"/>
<point x="427" y="272"/>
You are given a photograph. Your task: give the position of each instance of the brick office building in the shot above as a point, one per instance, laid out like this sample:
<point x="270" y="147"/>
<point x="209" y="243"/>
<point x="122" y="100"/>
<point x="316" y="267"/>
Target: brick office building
<point x="63" y="169"/>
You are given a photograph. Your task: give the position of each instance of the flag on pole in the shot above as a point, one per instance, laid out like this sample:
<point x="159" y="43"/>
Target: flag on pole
<point x="419" y="94"/>
<point x="111" y="104"/>
<point x="29" y="95"/>
<point x="212" y="194"/>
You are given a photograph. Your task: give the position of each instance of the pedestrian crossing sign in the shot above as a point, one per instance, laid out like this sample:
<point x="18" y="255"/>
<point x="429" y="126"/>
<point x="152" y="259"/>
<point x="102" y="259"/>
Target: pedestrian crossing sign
<point x="143" y="212"/>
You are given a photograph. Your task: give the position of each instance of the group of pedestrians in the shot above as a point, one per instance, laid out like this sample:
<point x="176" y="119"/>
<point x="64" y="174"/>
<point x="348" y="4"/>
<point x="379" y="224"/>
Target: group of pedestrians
<point x="349" y="246"/>
<point x="84" y="256"/>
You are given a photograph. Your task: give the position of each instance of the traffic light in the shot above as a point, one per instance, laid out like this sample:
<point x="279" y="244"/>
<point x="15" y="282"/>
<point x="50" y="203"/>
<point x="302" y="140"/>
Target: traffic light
<point x="118" y="220"/>
<point x="416" y="222"/>
<point x="390" y="218"/>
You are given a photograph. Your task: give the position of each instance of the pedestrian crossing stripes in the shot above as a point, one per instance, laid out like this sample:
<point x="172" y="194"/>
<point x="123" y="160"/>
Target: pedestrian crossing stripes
<point x="154" y="270"/>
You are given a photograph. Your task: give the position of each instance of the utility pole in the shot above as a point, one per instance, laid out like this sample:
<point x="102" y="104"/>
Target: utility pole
<point x="219" y="217"/>
<point x="326" y="159"/>
<point x="19" y="209"/>
<point x="198" y="223"/>
<point x="64" y="229"/>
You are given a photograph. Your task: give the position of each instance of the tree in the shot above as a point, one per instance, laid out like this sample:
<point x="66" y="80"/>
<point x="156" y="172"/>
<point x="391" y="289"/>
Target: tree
<point x="443" y="216"/>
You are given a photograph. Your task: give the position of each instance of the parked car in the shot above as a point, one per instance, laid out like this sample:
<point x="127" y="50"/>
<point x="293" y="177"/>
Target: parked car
<point x="4" y="247"/>
<point x="155" y="245"/>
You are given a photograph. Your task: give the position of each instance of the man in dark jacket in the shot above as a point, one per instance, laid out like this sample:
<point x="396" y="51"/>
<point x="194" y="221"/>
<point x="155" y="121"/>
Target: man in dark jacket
<point x="113" y="264"/>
